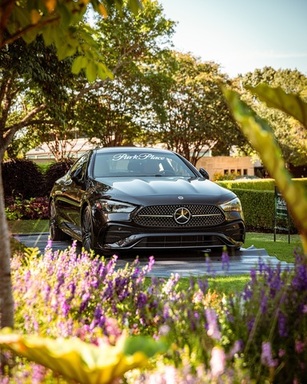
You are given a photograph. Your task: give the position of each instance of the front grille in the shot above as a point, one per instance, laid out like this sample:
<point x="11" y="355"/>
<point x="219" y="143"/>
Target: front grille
<point x="163" y="216"/>
<point x="184" y="241"/>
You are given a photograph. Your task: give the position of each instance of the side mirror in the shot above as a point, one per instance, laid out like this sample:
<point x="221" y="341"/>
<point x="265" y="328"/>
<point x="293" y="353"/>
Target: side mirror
<point x="204" y="173"/>
<point x="77" y="176"/>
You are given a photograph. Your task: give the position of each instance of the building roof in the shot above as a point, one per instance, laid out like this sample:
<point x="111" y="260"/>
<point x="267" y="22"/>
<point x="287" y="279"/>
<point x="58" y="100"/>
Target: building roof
<point x="73" y="148"/>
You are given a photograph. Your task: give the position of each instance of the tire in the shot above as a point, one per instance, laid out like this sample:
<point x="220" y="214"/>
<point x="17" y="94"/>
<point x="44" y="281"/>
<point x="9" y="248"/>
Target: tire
<point x="55" y="233"/>
<point x="88" y="241"/>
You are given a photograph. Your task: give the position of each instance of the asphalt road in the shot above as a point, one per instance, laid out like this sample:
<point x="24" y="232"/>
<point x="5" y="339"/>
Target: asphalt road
<point x="185" y="263"/>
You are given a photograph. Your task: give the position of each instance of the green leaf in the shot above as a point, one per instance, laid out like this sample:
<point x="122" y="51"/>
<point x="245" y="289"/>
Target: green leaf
<point x="289" y="103"/>
<point x="263" y="140"/>
<point x="65" y="13"/>
<point x="135" y="6"/>
<point x="103" y="72"/>
<point x="48" y="35"/>
<point x="147" y="345"/>
<point x="91" y="71"/>
<point x="79" y="63"/>
<point x="74" y="359"/>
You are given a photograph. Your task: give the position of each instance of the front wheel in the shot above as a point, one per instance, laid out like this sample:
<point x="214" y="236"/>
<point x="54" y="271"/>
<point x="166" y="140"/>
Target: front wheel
<point x="88" y="242"/>
<point x="55" y="233"/>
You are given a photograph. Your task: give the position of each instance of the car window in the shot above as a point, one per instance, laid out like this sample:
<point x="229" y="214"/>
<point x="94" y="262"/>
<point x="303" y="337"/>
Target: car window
<point x="138" y="164"/>
<point x="79" y="167"/>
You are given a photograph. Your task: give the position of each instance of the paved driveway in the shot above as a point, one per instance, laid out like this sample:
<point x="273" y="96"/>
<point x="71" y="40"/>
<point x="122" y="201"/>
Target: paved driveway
<point x="185" y="263"/>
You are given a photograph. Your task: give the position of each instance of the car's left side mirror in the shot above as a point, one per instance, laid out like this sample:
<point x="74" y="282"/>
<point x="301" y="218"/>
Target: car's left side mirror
<point x="204" y="173"/>
<point x="77" y="176"/>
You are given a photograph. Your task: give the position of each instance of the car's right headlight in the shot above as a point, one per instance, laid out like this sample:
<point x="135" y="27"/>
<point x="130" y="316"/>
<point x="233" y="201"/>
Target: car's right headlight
<point x="112" y="206"/>
<point x="233" y="205"/>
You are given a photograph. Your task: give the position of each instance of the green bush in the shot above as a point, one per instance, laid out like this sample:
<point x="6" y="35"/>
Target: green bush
<point x="258" y="201"/>
<point x="258" y="208"/>
<point x="258" y="184"/>
<point x="34" y="208"/>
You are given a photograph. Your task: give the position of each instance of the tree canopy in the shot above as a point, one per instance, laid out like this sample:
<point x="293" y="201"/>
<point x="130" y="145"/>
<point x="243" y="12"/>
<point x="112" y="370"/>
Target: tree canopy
<point x="61" y="23"/>
<point x="193" y="118"/>
<point x="291" y="135"/>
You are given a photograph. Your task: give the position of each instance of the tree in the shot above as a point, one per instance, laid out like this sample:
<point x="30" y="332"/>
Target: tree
<point x="115" y="111"/>
<point x="60" y="24"/>
<point x="291" y="134"/>
<point x="193" y="118"/>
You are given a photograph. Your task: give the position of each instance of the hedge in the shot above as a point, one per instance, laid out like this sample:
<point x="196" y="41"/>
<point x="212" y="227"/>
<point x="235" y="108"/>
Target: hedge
<point x="258" y="184"/>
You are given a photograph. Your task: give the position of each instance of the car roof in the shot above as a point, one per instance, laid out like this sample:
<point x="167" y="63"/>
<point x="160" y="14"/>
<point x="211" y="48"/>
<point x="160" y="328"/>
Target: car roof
<point x="131" y="149"/>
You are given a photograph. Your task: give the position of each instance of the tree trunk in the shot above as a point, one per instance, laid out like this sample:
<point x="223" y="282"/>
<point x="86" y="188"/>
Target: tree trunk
<point x="6" y="294"/>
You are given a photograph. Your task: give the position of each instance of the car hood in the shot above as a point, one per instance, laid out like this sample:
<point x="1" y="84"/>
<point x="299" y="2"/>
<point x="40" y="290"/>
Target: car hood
<point x="162" y="190"/>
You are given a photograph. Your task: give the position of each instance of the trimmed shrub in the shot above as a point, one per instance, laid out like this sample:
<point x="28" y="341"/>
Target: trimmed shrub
<point x="259" y="209"/>
<point x="54" y="172"/>
<point x="23" y="179"/>
<point x="258" y="184"/>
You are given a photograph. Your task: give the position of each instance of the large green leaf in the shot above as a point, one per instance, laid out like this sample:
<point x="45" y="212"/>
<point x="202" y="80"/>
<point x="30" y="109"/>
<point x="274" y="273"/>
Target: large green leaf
<point x="289" y="103"/>
<point x="262" y="138"/>
<point x="83" y="362"/>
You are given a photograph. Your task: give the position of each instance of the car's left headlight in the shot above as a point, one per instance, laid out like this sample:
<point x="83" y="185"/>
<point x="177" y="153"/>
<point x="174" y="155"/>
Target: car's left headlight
<point x="233" y="205"/>
<point x="112" y="206"/>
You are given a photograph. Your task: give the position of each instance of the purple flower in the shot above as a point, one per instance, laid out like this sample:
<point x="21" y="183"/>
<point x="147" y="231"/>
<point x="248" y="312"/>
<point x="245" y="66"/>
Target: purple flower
<point x="151" y="263"/>
<point x="49" y="244"/>
<point x="299" y="346"/>
<point x="213" y="330"/>
<point x="299" y="281"/>
<point x="253" y="275"/>
<point x="203" y="285"/>
<point x="236" y="348"/>
<point x="247" y="293"/>
<point x="266" y="355"/>
<point x="85" y="301"/>
<point x="225" y="261"/>
<point x="39" y="373"/>
<point x="217" y="361"/>
<point x="209" y="268"/>
<point x="141" y="300"/>
<point x="99" y="318"/>
<point x="166" y="311"/>
<point x="111" y="328"/>
<point x="263" y="303"/>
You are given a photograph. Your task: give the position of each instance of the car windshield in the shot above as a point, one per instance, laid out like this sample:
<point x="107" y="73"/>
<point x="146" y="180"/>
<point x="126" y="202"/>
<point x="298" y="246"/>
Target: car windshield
<point x="140" y="164"/>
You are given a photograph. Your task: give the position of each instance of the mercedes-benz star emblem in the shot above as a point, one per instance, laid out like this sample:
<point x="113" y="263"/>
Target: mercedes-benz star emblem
<point x="182" y="215"/>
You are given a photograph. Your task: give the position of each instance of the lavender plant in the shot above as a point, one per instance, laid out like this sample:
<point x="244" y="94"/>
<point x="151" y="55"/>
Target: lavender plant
<point x="270" y="319"/>
<point x="257" y="335"/>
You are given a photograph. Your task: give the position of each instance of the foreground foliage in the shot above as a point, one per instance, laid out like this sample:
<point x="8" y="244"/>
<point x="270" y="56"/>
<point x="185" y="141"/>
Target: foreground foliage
<point x="258" y="334"/>
<point x="263" y="140"/>
<point x="86" y="363"/>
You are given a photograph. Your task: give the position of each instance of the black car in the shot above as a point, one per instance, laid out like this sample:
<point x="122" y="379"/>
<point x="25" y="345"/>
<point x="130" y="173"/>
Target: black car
<point x="129" y="198"/>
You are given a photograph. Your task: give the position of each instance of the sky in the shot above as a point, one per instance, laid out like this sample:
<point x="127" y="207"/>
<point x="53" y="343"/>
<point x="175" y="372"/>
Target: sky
<point x="242" y="35"/>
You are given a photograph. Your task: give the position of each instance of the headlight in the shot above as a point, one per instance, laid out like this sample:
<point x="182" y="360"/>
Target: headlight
<point x="111" y="206"/>
<point x="232" y="205"/>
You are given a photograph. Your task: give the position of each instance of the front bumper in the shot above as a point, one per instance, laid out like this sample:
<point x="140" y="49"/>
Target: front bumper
<point x="118" y="237"/>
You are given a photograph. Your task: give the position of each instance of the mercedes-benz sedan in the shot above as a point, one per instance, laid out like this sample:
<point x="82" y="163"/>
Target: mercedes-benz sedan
<point x="119" y="199"/>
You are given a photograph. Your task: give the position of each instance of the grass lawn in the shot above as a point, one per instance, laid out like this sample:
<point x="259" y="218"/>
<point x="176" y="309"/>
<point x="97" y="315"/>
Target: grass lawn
<point x="280" y="248"/>
<point x="28" y="226"/>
